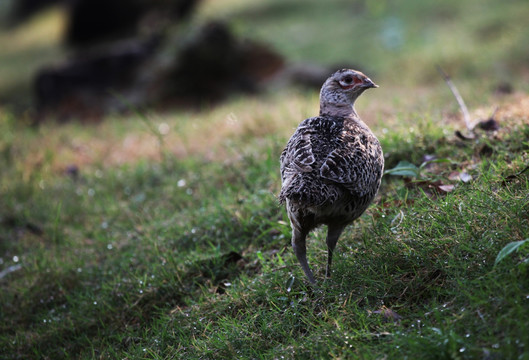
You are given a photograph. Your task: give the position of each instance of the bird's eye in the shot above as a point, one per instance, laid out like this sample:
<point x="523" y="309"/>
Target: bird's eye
<point x="348" y="79"/>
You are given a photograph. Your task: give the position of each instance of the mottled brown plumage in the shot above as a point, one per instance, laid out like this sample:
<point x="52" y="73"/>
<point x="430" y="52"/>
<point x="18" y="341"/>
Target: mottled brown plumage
<point x="331" y="167"/>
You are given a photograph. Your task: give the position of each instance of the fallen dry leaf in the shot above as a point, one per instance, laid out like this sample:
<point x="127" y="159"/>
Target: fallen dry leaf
<point x="465" y="177"/>
<point x="446" y="188"/>
<point x="461" y="176"/>
<point x="387" y="314"/>
<point x="512" y="177"/>
<point x="431" y="188"/>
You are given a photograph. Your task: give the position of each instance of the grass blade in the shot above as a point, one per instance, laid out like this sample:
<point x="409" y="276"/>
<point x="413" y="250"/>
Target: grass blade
<point x="508" y="249"/>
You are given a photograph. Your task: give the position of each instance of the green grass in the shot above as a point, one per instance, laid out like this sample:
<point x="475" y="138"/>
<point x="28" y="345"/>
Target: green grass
<point x="144" y="260"/>
<point x="160" y="236"/>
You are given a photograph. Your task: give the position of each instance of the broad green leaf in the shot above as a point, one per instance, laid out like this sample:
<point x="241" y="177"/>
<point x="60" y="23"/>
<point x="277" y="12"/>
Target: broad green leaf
<point x="403" y="168"/>
<point x="508" y="249"/>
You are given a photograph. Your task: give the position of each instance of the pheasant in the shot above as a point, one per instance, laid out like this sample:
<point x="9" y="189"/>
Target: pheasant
<point x="331" y="167"/>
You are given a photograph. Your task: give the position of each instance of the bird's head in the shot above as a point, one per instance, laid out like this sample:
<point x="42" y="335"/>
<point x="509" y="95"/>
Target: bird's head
<point x="340" y="91"/>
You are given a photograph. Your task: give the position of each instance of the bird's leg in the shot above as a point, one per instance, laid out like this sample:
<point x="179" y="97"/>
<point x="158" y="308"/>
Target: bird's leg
<point x="333" y="233"/>
<point x="298" y="244"/>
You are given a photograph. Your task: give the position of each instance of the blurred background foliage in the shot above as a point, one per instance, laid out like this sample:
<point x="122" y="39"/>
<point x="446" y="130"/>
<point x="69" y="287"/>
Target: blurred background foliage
<point x="397" y="43"/>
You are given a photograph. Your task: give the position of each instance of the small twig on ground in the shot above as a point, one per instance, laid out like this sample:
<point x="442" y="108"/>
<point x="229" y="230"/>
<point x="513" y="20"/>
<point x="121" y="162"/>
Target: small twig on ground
<point x="514" y="176"/>
<point x="460" y="101"/>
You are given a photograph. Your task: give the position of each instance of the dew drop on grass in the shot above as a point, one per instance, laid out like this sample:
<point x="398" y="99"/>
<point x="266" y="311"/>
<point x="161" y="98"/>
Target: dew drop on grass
<point x="95" y="302"/>
<point x="104" y="225"/>
<point x="109" y="246"/>
<point x="181" y="183"/>
<point x="462" y="349"/>
<point x="79" y="270"/>
<point x="15" y="258"/>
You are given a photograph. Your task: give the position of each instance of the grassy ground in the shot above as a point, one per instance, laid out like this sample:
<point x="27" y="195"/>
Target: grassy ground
<point x="188" y="257"/>
<point x="159" y="235"/>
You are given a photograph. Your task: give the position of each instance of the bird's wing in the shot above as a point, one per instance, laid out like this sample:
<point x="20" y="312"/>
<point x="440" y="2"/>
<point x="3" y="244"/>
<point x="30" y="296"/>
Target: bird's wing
<point x="353" y="163"/>
<point x="297" y="160"/>
<point x="298" y="155"/>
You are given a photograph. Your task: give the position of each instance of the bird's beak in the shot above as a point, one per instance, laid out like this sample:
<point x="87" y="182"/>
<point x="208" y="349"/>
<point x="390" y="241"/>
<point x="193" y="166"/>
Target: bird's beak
<point x="369" y="84"/>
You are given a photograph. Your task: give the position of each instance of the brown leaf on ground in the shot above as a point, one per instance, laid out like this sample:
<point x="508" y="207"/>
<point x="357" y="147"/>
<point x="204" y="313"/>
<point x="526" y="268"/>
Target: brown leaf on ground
<point x="387" y="314"/>
<point x="431" y="188"/>
<point x="465" y="177"/>
<point x="513" y="177"/>
<point x="462" y="176"/>
<point x="446" y="188"/>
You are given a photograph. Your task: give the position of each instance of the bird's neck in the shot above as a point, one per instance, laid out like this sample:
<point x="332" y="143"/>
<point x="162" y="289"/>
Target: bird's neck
<point x="341" y="110"/>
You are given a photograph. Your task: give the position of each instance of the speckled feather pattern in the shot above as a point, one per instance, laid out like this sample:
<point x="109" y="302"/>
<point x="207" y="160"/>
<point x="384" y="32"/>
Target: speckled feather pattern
<point x="331" y="161"/>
